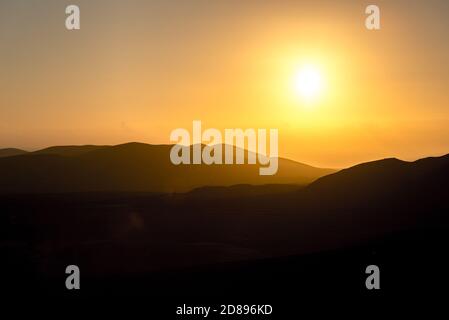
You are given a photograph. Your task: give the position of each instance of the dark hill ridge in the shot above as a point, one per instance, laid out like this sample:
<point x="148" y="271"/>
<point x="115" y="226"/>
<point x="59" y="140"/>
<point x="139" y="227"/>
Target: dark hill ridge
<point x="69" y="150"/>
<point x="377" y="197"/>
<point x="387" y="174"/>
<point x="9" y="152"/>
<point x="132" y="167"/>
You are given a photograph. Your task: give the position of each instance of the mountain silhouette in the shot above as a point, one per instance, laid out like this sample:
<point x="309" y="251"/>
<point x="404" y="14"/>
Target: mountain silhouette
<point x="9" y="152"/>
<point x="387" y="212"/>
<point x="68" y="150"/>
<point x="384" y="180"/>
<point x="132" y="167"/>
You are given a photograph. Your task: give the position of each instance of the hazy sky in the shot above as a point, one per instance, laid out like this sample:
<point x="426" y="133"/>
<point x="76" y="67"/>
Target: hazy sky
<point x="138" y="69"/>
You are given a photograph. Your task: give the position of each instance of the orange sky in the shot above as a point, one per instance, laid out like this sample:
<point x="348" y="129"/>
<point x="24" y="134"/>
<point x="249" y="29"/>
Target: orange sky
<point x="138" y="69"/>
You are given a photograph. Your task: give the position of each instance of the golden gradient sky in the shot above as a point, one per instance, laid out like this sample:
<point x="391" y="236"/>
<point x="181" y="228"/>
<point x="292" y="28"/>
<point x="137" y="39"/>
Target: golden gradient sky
<point x="138" y="69"/>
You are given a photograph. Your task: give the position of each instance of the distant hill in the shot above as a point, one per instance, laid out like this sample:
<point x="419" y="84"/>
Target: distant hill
<point x="9" y="152"/>
<point x="387" y="178"/>
<point x="132" y="167"/>
<point x="69" y="150"/>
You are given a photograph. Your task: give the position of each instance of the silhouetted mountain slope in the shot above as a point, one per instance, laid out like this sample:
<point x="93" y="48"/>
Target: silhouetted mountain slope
<point x="117" y="235"/>
<point x="132" y="167"/>
<point x="9" y="152"/>
<point x="378" y="197"/>
<point x="69" y="150"/>
<point x="387" y="178"/>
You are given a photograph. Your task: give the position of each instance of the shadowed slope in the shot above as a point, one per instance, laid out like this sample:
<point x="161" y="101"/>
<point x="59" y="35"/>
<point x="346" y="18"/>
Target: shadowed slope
<point x="9" y="152"/>
<point x="132" y="167"/>
<point x="69" y="150"/>
<point x="389" y="177"/>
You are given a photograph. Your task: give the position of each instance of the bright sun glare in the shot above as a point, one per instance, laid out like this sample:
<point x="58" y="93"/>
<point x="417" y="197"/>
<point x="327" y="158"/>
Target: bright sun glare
<point x="308" y="82"/>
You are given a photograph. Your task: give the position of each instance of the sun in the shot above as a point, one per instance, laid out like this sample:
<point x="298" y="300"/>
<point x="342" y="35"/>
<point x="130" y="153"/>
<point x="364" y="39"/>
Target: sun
<point x="308" y="83"/>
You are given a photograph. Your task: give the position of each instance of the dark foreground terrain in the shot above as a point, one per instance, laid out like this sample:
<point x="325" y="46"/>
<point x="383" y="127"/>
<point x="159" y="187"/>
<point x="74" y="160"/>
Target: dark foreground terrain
<point x="267" y="241"/>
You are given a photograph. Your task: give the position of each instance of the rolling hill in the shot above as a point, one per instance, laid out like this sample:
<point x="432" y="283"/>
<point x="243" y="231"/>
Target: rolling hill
<point x="9" y="152"/>
<point x="132" y="167"/>
<point x="388" y="180"/>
